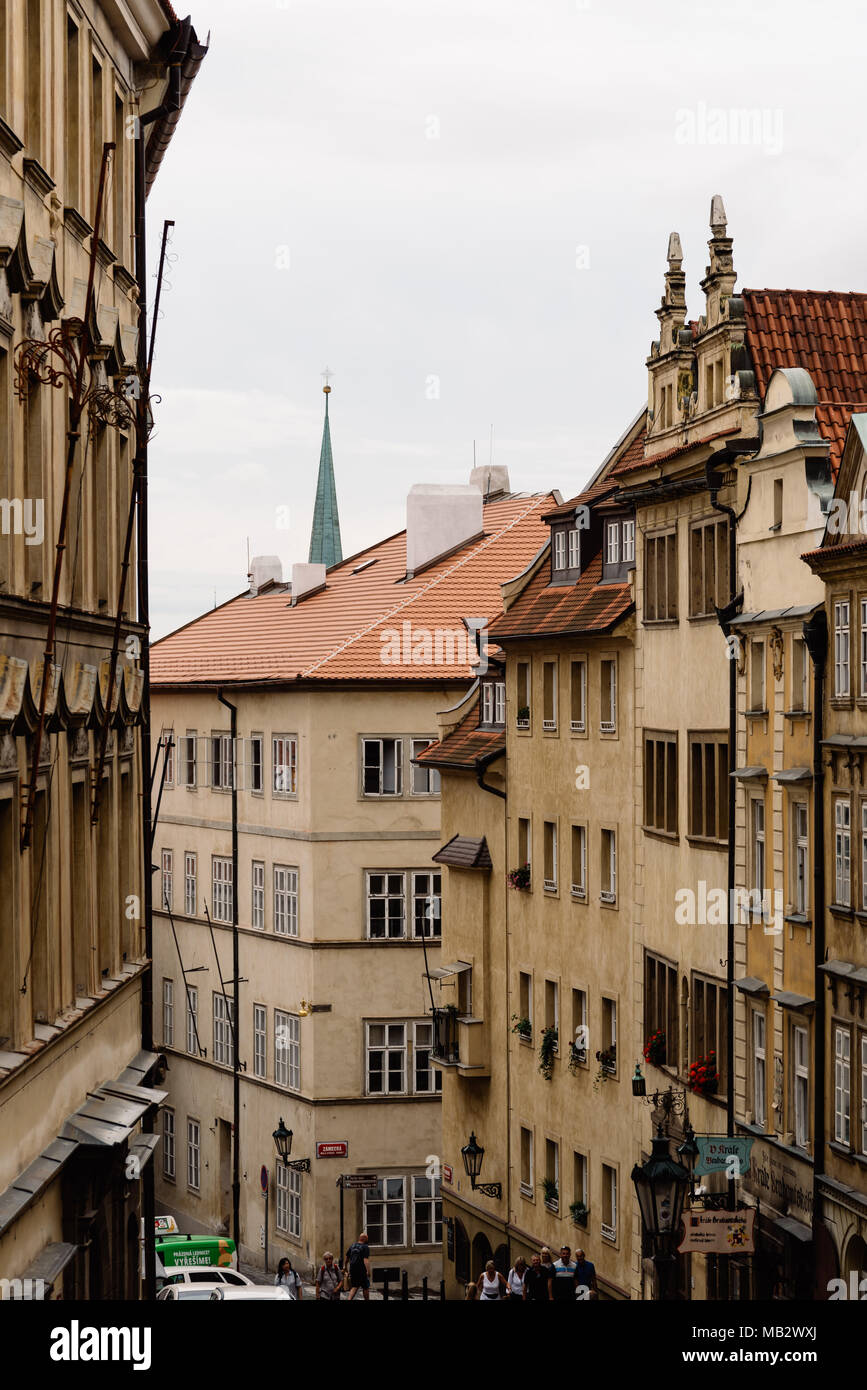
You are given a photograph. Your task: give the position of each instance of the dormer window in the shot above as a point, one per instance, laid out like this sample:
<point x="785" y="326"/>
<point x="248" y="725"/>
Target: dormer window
<point x="566" y="553"/>
<point x="619" y="547"/>
<point x="494" y="703"/>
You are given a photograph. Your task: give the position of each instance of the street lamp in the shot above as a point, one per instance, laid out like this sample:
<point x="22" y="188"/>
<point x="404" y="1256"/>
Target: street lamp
<point x="660" y="1186"/>
<point x="473" y="1154"/>
<point x="283" y="1143"/>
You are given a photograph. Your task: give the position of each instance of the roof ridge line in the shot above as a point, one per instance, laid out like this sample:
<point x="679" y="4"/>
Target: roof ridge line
<point x="536" y="501"/>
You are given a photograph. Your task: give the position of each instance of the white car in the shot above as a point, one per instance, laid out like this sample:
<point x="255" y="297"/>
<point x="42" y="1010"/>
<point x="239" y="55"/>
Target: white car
<point x="264" y="1293"/>
<point x="212" y="1275"/>
<point x="187" y="1293"/>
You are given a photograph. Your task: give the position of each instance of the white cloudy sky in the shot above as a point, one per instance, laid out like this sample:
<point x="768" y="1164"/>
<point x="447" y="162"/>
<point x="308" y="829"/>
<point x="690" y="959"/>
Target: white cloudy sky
<point x="430" y="169"/>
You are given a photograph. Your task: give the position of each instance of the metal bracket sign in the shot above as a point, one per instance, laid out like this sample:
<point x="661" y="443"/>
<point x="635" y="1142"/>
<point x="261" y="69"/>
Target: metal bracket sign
<point x="360" y="1180"/>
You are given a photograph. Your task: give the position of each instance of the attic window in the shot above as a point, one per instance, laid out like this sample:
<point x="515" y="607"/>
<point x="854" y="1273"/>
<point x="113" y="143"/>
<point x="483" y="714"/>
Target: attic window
<point x="365" y="565"/>
<point x="565" y="553"/>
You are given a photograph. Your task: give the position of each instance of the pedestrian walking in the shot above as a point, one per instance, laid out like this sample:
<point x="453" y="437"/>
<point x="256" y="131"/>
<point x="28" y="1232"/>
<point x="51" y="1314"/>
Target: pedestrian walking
<point x="491" y="1284"/>
<point x="547" y="1260"/>
<point x="515" y="1280"/>
<point x="357" y="1267"/>
<point x="585" y="1276"/>
<point x="329" y="1280"/>
<point x="561" y="1282"/>
<point x="287" y="1279"/>
<point x="471" y="1292"/>
<point x="536" y="1281"/>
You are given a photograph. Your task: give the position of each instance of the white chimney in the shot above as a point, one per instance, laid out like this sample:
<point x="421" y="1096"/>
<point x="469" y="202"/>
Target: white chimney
<point x="306" y="578"/>
<point x="264" y="568"/>
<point x="439" y="518"/>
<point x="491" y="479"/>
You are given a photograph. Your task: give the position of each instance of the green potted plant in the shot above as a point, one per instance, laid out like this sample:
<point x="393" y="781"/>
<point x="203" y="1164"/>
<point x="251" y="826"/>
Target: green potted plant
<point x="579" y="1213"/>
<point x="520" y="878"/>
<point x="552" y="1193"/>
<point x="523" y="1027"/>
<point x="607" y="1059"/>
<point x="547" y="1052"/>
<point x="523" y="716"/>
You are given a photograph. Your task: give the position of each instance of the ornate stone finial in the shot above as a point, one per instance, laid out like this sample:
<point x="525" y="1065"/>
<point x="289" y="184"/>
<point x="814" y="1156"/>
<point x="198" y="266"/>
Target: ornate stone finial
<point x="718" y="217"/>
<point x="675" y="252"/>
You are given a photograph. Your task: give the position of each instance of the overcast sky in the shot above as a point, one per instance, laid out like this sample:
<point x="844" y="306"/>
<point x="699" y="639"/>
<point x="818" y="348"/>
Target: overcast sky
<point x="462" y="207"/>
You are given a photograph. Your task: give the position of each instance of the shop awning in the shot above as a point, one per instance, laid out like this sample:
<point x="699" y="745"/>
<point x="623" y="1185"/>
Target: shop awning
<point x="799" y="1003"/>
<point x="751" y="985"/>
<point x="793" y="774"/>
<point x="439" y="972"/>
<point x="750" y="774"/>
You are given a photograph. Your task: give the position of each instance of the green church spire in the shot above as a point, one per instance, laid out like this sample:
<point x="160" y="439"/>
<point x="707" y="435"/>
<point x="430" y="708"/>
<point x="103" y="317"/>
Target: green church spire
<point x="325" y="548"/>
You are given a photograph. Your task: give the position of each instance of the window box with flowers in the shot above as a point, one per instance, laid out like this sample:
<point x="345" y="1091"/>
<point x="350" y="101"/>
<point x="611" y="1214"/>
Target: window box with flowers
<point x="523" y="717"/>
<point x="520" y="878"/>
<point x="703" y="1076"/>
<point x="579" y="1213"/>
<point x="654" y="1049"/>
<point x="607" y="1059"/>
<point x="552" y="1194"/>
<point x="523" y="1028"/>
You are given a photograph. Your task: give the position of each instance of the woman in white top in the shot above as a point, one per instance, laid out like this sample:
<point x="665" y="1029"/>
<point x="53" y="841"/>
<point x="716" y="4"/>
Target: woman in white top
<point x="288" y="1279"/>
<point x="491" y="1284"/>
<point x="515" y="1280"/>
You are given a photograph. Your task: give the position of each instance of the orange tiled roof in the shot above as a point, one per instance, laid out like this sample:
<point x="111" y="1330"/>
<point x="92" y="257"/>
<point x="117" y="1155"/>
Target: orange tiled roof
<point x="823" y="331"/>
<point x="335" y="634"/>
<point x="465" y="744"/>
<point x="590" y="494"/>
<point x="545" y="608"/>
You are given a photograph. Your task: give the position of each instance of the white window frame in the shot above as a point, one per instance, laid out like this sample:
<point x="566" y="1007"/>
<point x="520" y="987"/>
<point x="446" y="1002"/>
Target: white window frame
<point x="579" y="889"/>
<point x="550" y="724"/>
<point x="628" y="551"/>
<point x="609" y="1175"/>
<point x="194" y="1154"/>
<point x="800" y="664"/>
<point x="560" y="550"/>
<point x="427" y="892"/>
<point x="222" y="762"/>
<point x="549" y="835"/>
<point x="167" y="880"/>
<point x="579" y="726"/>
<point x="432" y="1204"/>
<point x="609" y="726"/>
<point x="379" y="1195"/>
<point x="380" y="742"/>
<point x="260" y="1041"/>
<point x="260" y="789"/>
<point x="285" y="883"/>
<point x="842" y="1084"/>
<point x="168" y="1012"/>
<point x="257" y="881"/>
<point x="387" y="1047"/>
<point x="189" y="763"/>
<point x="190" y="882"/>
<point x="801" y="836"/>
<point x="423" y="1041"/>
<point x="574" y="548"/>
<point x="842" y="851"/>
<point x="387" y="896"/>
<point x="169" y="1151"/>
<point x="801" y="1086"/>
<point x="760" y="1068"/>
<point x="287" y="1050"/>
<point x="609" y="894"/>
<point x="284" y="765"/>
<point x="223" y="1009"/>
<point x="759" y="846"/>
<point x="287" y="1213"/>
<point x="192" y="994"/>
<point x="167" y="739"/>
<point x="842" y="615"/>
<point x="527" y="1187"/>
<point x="424" y="780"/>
<point x="222" y="887"/>
<point x="612" y="542"/>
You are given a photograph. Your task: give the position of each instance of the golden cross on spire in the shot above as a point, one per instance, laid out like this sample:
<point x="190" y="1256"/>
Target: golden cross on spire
<point x="327" y="374"/>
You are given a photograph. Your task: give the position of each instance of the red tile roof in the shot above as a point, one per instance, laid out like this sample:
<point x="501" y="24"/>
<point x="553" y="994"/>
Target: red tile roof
<point x="823" y="331"/>
<point x="590" y="494"/>
<point x="545" y="609"/>
<point x="465" y="745"/>
<point x="828" y="552"/>
<point x="634" y="455"/>
<point x="336" y="633"/>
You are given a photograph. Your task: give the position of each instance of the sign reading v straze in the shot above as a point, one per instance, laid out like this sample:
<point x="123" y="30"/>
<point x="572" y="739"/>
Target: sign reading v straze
<point x="719" y="1232"/>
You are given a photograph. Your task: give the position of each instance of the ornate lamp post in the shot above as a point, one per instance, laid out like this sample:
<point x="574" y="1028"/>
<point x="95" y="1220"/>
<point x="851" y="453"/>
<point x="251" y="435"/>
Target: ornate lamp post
<point x="473" y="1154"/>
<point x="283" y="1143"/>
<point x="661" y="1185"/>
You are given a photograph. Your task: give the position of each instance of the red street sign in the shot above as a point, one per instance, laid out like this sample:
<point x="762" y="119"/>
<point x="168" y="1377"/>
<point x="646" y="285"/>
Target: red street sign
<point x="337" y="1148"/>
<point x="263" y="1178"/>
<point x="447" y="1172"/>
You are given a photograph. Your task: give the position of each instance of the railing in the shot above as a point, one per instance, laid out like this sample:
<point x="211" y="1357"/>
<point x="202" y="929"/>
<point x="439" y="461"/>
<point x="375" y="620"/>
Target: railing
<point x="609" y="1232"/>
<point x="445" y="1043"/>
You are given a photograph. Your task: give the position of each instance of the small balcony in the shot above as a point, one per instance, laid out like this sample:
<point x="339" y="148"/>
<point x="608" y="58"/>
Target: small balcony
<point x="445" y="1029"/>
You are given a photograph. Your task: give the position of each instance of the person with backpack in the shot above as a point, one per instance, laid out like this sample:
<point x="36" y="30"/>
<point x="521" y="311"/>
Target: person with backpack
<point x="287" y="1279"/>
<point x="358" y="1267"/>
<point x="329" y="1280"/>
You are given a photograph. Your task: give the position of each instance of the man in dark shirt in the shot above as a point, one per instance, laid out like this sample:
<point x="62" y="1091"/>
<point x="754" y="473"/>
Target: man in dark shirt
<point x="358" y="1256"/>
<point x="561" y="1283"/>
<point x="536" y="1281"/>
<point x="585" y="1276"/>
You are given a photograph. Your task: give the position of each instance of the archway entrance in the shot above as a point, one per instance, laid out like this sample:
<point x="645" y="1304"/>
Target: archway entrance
<point x="482" y="1252"/>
